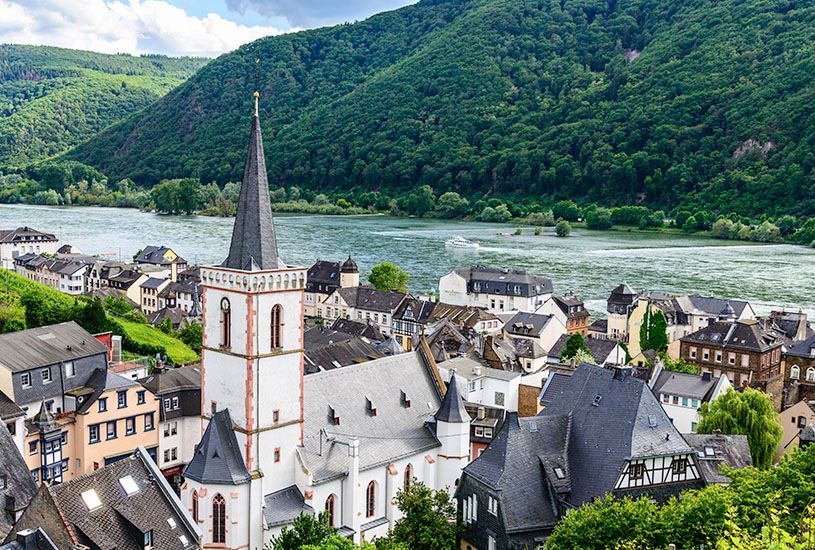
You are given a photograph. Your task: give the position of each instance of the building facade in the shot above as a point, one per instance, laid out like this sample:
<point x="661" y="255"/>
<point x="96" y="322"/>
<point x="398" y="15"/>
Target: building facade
<point x="496" y="290"/>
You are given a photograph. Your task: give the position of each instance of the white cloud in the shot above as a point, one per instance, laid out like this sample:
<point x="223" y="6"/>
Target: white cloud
<point x="136" y="27"/>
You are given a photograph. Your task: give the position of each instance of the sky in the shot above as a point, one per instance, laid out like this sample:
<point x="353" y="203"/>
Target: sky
<point x="172" y="27"/>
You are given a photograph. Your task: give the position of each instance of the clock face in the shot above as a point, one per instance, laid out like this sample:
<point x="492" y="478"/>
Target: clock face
<point x="225" y="304"/>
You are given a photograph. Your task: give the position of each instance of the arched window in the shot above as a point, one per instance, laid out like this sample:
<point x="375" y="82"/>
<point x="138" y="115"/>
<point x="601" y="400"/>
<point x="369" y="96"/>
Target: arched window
<point x="795" y="372"/>
<point x="810" y="374"/>
<point x="408" y="476"/>
<point x="277" y="317"/>
<point x="370" y="500"/>
<point x="226" y="323"/>
<point x="218" y="519"/>
<point x="329" y="507"/>
<point x="195" y="506"/>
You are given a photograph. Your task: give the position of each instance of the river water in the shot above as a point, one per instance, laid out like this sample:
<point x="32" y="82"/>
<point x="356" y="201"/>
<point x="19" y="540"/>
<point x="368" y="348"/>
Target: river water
<point x="590" y="263"/>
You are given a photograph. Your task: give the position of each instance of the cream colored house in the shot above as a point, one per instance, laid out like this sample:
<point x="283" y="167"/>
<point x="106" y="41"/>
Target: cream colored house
<point x="793" y="421"/>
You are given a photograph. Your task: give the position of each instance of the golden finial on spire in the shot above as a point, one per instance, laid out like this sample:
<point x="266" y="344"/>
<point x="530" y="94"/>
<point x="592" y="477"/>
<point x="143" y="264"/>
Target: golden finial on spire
<point x="256" y="103"/>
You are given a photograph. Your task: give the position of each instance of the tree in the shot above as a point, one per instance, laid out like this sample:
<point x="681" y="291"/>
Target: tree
<point x="654" y="331"/>
<point x="387" y="276"/>
<point x="574" y="344"/>
<point x="690" y="225"/>
<point x="598" y="218"/>
<point x="428" y="522"/>
<point x="165" y="326"/>
<point x="563" y="228"/>
<point x="193" y="336"/>
<point x="92" y="317"/>
<point x="189" y="195"/>
<point x="678" y="365"/>
<point x="567" y="210"/>
<point x="306" y="530"/>
<point x="750" y="413"/>
<point x="451" y="205"/>
<point x="425" y="200"/>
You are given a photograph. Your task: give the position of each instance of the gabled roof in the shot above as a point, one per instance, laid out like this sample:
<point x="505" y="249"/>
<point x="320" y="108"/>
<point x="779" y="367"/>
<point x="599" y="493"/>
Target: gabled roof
<point x="598" y="447"/>
<point x="452" y="408"/>
<point x="173" y="379"/>
<point x="552" y="388"/>
<point x="803" y="348"/>
<point x="622" y="295"/>
<point x="707" y="305"/>
<point x="371" y="299"/>
<point x="694" y="386"/>
<point x="390" y="347"/>
<point x="356" y="328"/>
<point x="415" y="310"/>
<point x="600" y="348"/>
<point x="568" y="301"/>
<point x="323" y="272"/>
<point x="30" y="540"/>
<point x="20" y="488"/>
<point x="155" y="255"/>
<point x="746" y="335"/>
<point x="339" y="354"/>
<point x="716" y="450"/>
<point x="42" y="346"/>
<point x="103" y="380"/>
<point x="8" y="408"/>
<point x="217" y="458"/>
<point x="319" y="336"/>
<point x="121" y="517"/>
<point x="22" y="233"/>
<point x="538" y="285"/>
<point x="463" y="316"/>
<point x="176" y="315"/>
<point x="154" y="283"/>
<point x="394" y="432"/>
<point x="525" y="323"/>
<point x="254" y="245"/>
<point x="281" y="507"/>
<point x="527" y="348"/>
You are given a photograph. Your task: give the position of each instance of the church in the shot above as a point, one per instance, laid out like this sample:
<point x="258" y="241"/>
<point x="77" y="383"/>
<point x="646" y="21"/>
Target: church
<point x="276" y="443"/>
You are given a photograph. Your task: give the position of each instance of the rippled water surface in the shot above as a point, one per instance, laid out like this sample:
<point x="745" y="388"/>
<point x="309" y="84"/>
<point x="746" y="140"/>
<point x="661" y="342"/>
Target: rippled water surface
<point x="590" y="263"/>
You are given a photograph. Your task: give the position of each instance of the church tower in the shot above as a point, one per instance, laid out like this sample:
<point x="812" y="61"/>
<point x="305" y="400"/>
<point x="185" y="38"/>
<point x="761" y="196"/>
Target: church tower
<point x="252" y="356"/>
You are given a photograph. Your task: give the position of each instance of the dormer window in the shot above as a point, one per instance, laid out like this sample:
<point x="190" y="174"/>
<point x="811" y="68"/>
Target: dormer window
<point x="148" y="539"/>
<point x="370" y="407"/>
<point x="404" y="399"/>
<point x="597" y="399"/>
<point x="333" y="417"/>
<point x="636" y="471"/>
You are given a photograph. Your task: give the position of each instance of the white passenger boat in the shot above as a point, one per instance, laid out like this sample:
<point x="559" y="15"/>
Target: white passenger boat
<point x="460" y="242"/>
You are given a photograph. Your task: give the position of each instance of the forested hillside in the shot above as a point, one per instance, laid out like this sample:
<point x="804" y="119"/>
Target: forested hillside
<point x="665" y="103"/>
<point x="53" y="98"/>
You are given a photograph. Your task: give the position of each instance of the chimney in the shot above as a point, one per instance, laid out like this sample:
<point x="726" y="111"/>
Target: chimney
<point x="116" y="349"/>
<point x="482" y="413"/>
<point x="619" y="374"/>
<point x="706" y="376"/>
<point x="27" y="539"/>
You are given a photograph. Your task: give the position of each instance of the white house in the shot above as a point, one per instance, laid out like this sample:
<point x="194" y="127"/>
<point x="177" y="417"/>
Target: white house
<point x="276" y="443"/>
<point x="682" y="394"/>
<point x="494" y="289"/>
<point x="543" y="329"/>
<point x="24" y="240"/>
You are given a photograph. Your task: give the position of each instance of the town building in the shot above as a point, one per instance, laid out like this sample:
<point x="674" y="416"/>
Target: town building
<point x="149" y="291"/>
<point x="277" y="443"/>
<point x="469" y="320"/>
<point x="799" y="368"/>
<point x="494" y="289"/>
<point x="323" y="278"/>
<point x="539" y="468"/>
<point x="740" y="350"/>
<point x="125" y="505"/>
<point x="182" y="294"/>
<point x="68" y="276"/>
<point x="366" y="331"/>
<point x="162" y="257"/>
<point x="682" y="394"/>
<point x="410" y="319"/>
<point x="603" y="351"/>
<point x="482" y="385"/>
<point x="545" y="330"/>
<point x="793" y="421"/>
<point x="569" y="310"/>
<point x="340" y="354"/>
<point x="178" y="391"/>
<point x="511" y="354"/>
<point x="364" y="304"/>
<point x="17" y="486"/>
<point x="14" y="419"/>
<point x="24" y="240"/>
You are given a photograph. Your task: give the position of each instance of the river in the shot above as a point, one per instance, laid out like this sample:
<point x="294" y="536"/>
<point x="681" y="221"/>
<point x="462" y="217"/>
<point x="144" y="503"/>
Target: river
<point x="590" y="263"/>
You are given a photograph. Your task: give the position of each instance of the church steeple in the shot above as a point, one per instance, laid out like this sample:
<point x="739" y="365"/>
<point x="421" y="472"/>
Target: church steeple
<point x="254" y="246"/>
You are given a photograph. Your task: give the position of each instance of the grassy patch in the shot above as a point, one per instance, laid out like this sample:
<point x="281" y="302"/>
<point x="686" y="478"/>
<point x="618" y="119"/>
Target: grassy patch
<point x="176" y="349"/>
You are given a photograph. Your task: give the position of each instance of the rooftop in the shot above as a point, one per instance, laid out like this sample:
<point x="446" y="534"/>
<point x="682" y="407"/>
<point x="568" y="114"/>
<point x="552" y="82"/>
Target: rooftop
<point x="43" y="346"/>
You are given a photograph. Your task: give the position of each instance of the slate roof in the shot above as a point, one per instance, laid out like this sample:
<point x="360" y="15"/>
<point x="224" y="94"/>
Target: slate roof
<point x="42" y="346"/>
<point x="112" y="525"/>
<point x="254" y="245"/>
<point x="598" y="447"/>
<point x="339" y="354"/>
<point x="155" y="255"/>
<point x="102" y="380"/>
<point x="390" y="347"/>
<point x="16" y="235"/>
<point x="349" y="266"/>
<point x="537" y="285"/>
<point x="463" y="316"/>
<point x="471" y="369"/>
<point x="323" y="272"/>
<point x="8" y="408"/>
<point x="622" y="295"/>
<point x="709" y="305"/>
<point x="600" y="348"/>
<point x="747" y="335"/>
<point x="153" y="283"/>
<point x="803" y="348"/>
<point x="396" y="431"/>
<point x="217" y="457"/>
<point x="524" y="323"/>
<point x="371" y="299"/>
<point x="600" y="325"/>
<point x="356" y="328"/>
<point x="173" y="379"/>
<point x="715" y="450"/>
<point x="281" y="507"/>
<point x="319" y="336"/>
<point x="552" y="387"/>
<point x="420" y="310"/>
<point x="452" y="408"/>
<point x="515" y="464"/>
<point x="693" y="386"/>
<point x="568" y="301"/>
<point x="30" y="540"/>
<point x="20" y="488"/>
<point x="176" y="315"/>
<point x="527" y="348"/>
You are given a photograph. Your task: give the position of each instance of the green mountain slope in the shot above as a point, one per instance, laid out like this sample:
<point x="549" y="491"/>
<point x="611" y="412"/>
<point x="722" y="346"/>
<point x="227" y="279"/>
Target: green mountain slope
<point x="697" y="103"/>
<point x="52" y="98"/>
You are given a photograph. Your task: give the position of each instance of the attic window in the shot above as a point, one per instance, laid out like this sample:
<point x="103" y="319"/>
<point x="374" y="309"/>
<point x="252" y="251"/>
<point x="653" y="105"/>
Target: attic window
<point x="405" y="400"/>
<point x="370" y="407"/>
<point x="129" y="485"/>
<point x="91" y="499"/>
<point x="332" y="416"/>
<point x="171" y="523"/>
<point x="652" y="420"/>
<point x="559" y="473"/>
<point x="183" y="540"/>
<point x="597" y="399"/>
<point x="709" y="450"/>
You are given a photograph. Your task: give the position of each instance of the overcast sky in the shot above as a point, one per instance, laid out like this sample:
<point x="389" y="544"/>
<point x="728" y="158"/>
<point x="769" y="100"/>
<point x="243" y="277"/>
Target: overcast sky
<point x="172" y="27"/>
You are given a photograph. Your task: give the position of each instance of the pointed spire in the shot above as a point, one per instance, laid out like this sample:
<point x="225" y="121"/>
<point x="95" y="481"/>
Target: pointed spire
<point x="452" y="408"/>
<point x="254" y="246"/>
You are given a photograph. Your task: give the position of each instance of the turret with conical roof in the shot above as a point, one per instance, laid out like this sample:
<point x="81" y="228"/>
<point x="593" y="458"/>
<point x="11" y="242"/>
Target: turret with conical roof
<point x="453" y="431"/>
<point x="349" y="273"/>
<point x="254" y="246"/>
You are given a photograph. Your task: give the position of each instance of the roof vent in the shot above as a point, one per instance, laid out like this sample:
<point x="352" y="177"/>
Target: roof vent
<point x="533" y="428"/>
<point x="652" y="420"/>
<point x="597" y="399"/>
